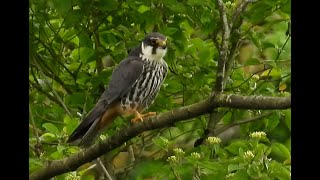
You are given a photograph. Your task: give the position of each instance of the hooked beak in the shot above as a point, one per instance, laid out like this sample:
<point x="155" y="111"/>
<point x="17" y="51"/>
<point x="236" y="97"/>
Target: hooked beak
<point x="162" y="42"/>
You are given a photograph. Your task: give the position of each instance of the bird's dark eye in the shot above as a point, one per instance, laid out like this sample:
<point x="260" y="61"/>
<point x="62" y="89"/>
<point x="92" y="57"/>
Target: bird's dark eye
<point x="153" y="41"/>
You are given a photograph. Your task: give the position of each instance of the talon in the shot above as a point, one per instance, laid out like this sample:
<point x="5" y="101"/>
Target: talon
<point x="149" y="114"/>
<point x="139" y="117"/>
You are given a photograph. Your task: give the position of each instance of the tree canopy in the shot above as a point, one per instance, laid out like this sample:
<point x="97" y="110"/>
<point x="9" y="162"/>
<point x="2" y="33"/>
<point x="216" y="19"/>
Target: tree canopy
<point x="223" y="111"/>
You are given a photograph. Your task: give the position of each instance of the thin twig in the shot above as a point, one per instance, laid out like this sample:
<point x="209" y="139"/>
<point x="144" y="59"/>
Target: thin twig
<point x="104" y="169"/>
<point x="52" y="98"/>
<point x="224" y="51"/>
<point x="175" y="174"/>
<point x="131" y="154"/>
<point x="248" y="120"/>
<point x="53" y="91"/>
<point x="34" y="126"/>
<point x="239" y="10"/>
<point x="38" y="144"/>
<point x="35" y="129"/>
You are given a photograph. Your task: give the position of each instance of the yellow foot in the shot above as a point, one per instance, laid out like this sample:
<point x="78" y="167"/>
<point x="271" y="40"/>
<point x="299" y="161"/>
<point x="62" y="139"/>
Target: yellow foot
<point x="139" y="117"/>
<point x="149" y="114"/>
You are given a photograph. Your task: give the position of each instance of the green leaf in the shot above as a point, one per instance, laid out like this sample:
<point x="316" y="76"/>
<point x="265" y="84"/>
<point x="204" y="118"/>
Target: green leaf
<point x="261" y="150"/>
<point x="108" y="39"/>
<point x="83" y="78"/>
<point x="288" y="144"/>
<point x="271" y="63"/>
<point x="255" y="39"/>
<point x="143" y="8"/>
<point x="239" y="175"/>
<point x="76" y="100"/>
<point x="266" y="45"/>
<point x="235" y="146"/>
<point x="62" y="6"/>
<point x="56" y="155"/>
<point x="280" y="151"/>
<point x="107" y="5"/>
<point x="227" y="118"/>
<point x="48" y="137"/>
<point x="272" y="121"/>
<point x="287" y="120"/>
<point x="214" y="168"/>
<point x="84" y="40"/>
<point x="254" y="171"/>
<point x="34" y="164"/>
<point x="71" y="124"/>
<point x="188" y="29"/>
<point x="82" y="53"/>
<point x="194" y="2"/>
<point x="60" y="148"/>
<point x="73" y="149"/>
<point x="147" y="167"/>
<point x="174" y="6"/>
<point x="253" y="61"/>
<point x="233" y="167"/>
<point x="87" y="177"/>
<point x="170" y="30"/>
<point x="161" y="142"/>
<point x="285" y="6"/>
<point x="279" y="171"/>
<point x="50" y="128"/>
<point x="274" y="73"/>
<point x="205" y="55"/>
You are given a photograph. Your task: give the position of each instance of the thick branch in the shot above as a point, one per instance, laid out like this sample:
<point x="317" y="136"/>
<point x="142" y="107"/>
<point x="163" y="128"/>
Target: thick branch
<point x="162" y="120"/>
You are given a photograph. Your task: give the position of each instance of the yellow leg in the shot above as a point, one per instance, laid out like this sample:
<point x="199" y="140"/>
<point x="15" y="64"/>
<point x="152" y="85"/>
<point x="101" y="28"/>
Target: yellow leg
<point x="139" y="117"/>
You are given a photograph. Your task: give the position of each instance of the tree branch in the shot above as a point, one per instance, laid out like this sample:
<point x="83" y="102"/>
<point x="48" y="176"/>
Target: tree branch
<point x="224" y="50"/>
<point x="239" y="10"/>
<point x="160" y="121"/>
<point x="227" y="49"/>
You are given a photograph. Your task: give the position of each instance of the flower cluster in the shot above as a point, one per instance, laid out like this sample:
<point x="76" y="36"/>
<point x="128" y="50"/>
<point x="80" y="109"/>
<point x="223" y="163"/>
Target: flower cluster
<point x="195" y="155"/>
<point x="178" y="152"/>
<point x="248" y="155"/>
<point x="258" y="135"/>
<point x="172" y="159"/>
<point x="229" y="175"/>
<point x="213" y="140"/>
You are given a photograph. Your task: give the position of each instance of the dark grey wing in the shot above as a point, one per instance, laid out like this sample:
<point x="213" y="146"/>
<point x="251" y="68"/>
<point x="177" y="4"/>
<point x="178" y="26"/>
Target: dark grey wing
<point x="122" y="79"/>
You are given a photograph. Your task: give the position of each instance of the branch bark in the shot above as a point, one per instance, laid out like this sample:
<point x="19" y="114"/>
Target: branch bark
<point x="219" y="86"/>
<point x="160" y="121"/>
<point x="228" y="47"/>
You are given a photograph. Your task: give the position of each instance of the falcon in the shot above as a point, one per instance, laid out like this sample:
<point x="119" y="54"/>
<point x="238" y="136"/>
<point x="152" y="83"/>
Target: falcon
<point x="133" y="86"/>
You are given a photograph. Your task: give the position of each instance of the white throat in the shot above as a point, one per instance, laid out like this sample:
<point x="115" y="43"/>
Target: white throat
<point x="147" y="53"/>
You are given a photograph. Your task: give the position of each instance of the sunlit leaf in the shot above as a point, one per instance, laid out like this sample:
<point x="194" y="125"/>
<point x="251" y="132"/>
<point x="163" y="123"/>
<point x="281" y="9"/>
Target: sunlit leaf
<point x="50" y="128"/>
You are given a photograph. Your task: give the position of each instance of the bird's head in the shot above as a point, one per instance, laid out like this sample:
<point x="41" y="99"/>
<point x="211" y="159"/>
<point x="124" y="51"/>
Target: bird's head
<point x="154" y="46"/>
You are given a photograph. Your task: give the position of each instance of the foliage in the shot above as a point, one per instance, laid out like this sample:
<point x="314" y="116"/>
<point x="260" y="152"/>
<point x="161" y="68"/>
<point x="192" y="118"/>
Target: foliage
<point x="75" y="45"/>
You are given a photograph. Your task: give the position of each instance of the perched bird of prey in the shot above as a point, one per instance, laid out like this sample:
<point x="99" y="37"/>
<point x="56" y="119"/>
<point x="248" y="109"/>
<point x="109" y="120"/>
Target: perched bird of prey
<point x="133" y="86"/>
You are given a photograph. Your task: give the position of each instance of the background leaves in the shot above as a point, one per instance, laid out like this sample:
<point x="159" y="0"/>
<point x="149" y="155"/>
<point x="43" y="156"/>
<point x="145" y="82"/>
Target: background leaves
<point x="75" y="45"/>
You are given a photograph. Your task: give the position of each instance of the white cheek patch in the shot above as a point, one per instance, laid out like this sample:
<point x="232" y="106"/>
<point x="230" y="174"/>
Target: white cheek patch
<point x="161" y="52"/>
<point x="147" y="52"/>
